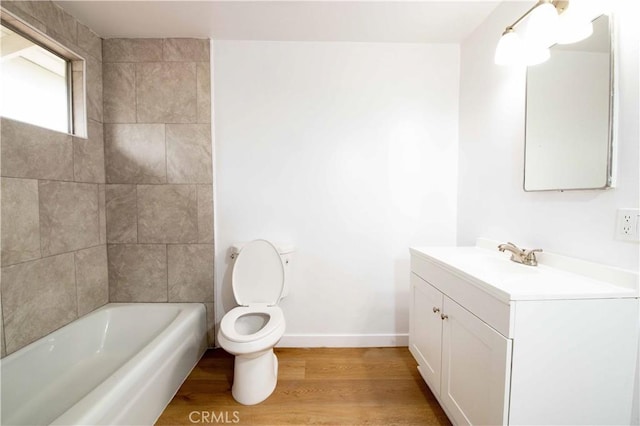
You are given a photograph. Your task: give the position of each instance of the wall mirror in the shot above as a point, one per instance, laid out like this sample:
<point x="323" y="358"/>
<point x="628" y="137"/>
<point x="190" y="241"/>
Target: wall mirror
<point x="569" y="116"/>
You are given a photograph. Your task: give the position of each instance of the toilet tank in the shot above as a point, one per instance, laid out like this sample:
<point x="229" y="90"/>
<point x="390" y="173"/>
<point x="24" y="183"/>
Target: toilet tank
<point x="286" y="254"/>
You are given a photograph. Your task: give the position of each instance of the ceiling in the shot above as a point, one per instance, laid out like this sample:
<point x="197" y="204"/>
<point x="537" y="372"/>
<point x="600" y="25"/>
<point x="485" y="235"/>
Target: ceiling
<point x="447" y="21"/>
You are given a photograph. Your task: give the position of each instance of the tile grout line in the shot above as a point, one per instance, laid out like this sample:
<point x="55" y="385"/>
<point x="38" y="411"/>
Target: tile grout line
<point x="53" y="180"/>
<point x="98" y="210"/>
<point x="73" y="154"/>
<point x="166" y="174"/>
<point x="135" y="89"/>
<point x="39" y="224"/>
<point x="197" y="93"/>
<point x="197" y="214"/>
<point x="166" y="159"/>
<point x="75" y="279"/>
<point x="105" y="168"/>
<point x="137" y="217"/>
<point x="166" y="262"/>
<point x="60" y="254"/>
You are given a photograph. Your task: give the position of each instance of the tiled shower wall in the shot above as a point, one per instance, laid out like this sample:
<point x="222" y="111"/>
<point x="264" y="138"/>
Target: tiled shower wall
<point x="159" y="207"/>
<point x="54" y="255"/>
<point x="156" y="147"/>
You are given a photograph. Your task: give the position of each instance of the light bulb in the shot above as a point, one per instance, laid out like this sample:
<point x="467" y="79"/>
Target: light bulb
<point x="541" y="27"/>
<point x="514" y="51"/>
<point x="509" y="49"/>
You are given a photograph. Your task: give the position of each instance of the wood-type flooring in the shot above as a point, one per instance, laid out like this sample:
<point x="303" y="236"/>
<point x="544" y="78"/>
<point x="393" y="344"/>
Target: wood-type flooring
<point x="316" y="386"/>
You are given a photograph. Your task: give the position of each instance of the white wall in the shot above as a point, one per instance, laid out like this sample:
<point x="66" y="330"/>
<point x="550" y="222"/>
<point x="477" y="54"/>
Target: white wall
<point x="349" y="152"/>
<point x="491" y="201"/>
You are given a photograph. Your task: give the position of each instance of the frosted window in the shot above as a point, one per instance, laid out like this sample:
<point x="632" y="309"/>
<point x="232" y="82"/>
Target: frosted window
<point x="34" y="83"/>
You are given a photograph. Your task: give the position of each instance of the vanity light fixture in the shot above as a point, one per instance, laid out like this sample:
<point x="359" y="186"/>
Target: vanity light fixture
<point x="548" y="22"/>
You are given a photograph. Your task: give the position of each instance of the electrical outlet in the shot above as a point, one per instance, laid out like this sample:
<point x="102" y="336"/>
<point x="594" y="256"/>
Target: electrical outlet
<point x="627" y="225"/>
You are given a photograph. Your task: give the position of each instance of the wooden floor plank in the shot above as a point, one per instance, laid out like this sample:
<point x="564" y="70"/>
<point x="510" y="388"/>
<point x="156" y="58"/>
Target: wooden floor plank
<point x="323" y="386"/>
<point x="358" y="369"/>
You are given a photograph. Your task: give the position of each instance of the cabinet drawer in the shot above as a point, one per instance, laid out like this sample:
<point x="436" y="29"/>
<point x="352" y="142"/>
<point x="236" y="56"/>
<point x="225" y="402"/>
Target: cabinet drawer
<point x="486" y="307"/>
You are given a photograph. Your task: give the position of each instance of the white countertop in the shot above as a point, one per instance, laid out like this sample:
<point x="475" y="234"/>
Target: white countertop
<point x="495" y="273"/>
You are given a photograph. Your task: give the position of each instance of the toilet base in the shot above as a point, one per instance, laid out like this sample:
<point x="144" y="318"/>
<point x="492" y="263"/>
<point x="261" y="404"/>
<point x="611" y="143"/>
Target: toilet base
<point x="255" y="377"/>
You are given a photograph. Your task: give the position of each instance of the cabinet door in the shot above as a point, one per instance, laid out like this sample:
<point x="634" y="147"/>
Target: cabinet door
<point x="476" y="368"/>
<point x="425" y="330"/>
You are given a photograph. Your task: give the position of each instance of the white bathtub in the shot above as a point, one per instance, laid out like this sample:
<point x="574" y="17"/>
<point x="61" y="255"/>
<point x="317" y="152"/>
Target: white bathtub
<point x="120" y="364"/>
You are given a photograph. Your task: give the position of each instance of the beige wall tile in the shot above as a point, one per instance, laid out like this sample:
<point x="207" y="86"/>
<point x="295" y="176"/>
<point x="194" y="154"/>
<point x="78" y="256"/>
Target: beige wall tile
<point x="186" y="50"/>
<point x="132" y="50"/>
<point x="122" y="214"/>
<point x="23" y="10"/>
<point x="119" y="92"/>
<point x="166" y="92"/>
<point x="88" y="155"/>
<point x="20" y="220"/>
<point x="102" y="213"/>
<point x="89" y="41"/>
<point x="211" y="322"/>
<point x="190" y="269"/>
<point x="94" y="89"/>
<point x="167" y="214"/>
<point x="38" y="297"/>
<point x="58" y="24"/>
<point x="205" y="214"/>
<point x="137" y="272"/>
<point x="92" y="278"/>
<point x="189" y="153"/>
<point x="33" y="152"/>
<point x="203" y="91"/>
<point x="68" y="216"/>
<point x="45" y="289"/>
<point x="135" y="153"/>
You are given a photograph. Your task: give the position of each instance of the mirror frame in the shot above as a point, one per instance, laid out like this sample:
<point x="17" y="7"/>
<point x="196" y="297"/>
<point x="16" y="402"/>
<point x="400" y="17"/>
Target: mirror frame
<point x="611" y="143"/>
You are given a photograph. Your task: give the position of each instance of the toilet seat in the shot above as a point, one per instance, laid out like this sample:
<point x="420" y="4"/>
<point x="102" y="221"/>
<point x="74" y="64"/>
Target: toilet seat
<point x="228" y="324"/>
<point x="258" y="274"/>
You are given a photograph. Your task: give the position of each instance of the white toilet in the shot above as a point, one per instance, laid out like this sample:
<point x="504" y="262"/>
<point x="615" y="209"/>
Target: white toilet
<point x="250" y="331"/>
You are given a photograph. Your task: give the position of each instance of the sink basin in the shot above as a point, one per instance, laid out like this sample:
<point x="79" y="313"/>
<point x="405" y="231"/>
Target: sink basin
<point x="491" y="266"/>
<point x="506" y="280"/>
<point x="503" y="265"/>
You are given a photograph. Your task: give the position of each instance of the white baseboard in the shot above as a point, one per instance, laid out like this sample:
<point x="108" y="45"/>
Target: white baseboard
<point x="342" y="340"/>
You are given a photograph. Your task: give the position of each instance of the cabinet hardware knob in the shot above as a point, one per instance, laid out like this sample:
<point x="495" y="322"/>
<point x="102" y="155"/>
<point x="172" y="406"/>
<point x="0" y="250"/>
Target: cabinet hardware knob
<point x="444" y="317"/>
<point x="436" y="310"/>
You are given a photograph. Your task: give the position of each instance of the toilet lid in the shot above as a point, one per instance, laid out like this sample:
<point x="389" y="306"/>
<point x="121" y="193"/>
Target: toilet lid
<point x="258" y="274"/>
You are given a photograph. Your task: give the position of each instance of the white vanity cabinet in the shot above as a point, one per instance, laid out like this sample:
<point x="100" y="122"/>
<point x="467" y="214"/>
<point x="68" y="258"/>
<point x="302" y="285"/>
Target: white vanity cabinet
<point x="465" y="362"/>
<point x="502" y="343"/>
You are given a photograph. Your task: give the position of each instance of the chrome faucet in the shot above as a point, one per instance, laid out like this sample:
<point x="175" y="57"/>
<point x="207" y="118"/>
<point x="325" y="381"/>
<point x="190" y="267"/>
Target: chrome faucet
<point x="518" y="255"/>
